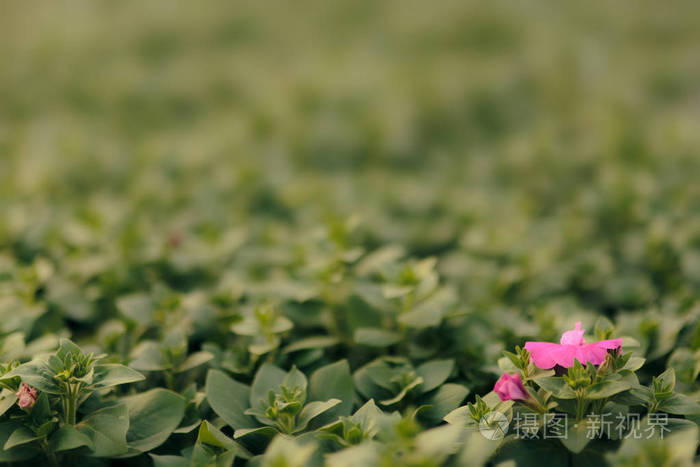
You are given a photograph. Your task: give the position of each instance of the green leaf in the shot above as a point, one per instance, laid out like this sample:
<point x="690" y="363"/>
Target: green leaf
<point x="147" y="356"/>
<point x="229" y="399"/>
<point x="668" y="378"/>
<point x="680" y="404"/>
<point x="153" y="416"/>
<point x="460" y="416"/>
<point x="66" y="347"/>
<point x="531" y="453"/>
<point x="205" y="456"/>
<point x="312" y="410"/>
<point x="193" y="361"/>
<point x="376" y="337"/>
<point x="12" y="347"/>
<point x="557" y="386"/>
<point x="20" y="436"/>
<point x="315" y="342"/>
<point x="113" y="374"/>
<point x="35" y="374"/>
<point x="107" y="429"/>
<point x="404" y="391"/>
<point x="636" y="395"/>
<point x="578" y="435"/>
<point x="603" y="328"/>
<point x="374" y="260"/>
<point x="332" y="381"/>
<point x="69" y="299"/>
<point x="434" y="373"/>
<point x="494" y="402"/>
<point x="634" y="363"/>
<point x="7" y="400"/>
<point x="617" y="412"/>
<point x="506" y="365"/>
<point x="280" y="324"/>
<point x="295" y="379"/>
<point x="685" y="364"/>
<point x="15" y="454"/>
<point x="361" y="455"/>
<point x="373" y="380"/>
<point x="46" y="428"/>
<point x="395" y="291"/>
<point x="363" y="308"/>
<point x="268" y="377"/>
<point x="266" y="431"/>
<point x="606" y="388"/>
<point x="477" y="449"/>
<point x="421" y="318"/>
<point x="444" y="400"/>
<point x="263" y="345"/>
<point x="209" y="434"/>
<point x="169" y="461"/>
<point x="369" y="413"/>
<point x="68" y="437"/>
<point x="137" y="307"/>
<point x="677" y="448"/>
<point x="288" y="452"/>
<point x="438" y="443"/>
<point x="41" y="411"/>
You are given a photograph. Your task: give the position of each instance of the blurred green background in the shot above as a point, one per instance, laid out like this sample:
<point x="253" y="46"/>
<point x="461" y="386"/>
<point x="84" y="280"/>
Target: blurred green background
<point x="538" y="148"/>
<point x="429" y="180"/>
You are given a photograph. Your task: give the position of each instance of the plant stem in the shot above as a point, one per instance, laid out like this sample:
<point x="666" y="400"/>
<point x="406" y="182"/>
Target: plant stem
<point x="71" y="403"/>
<point x="50" y="455"/>
<point x="653" y="407"/>
<point x="71" y="410"/>
<point x="580" y="406"/>
<point x="286" y="423"/>
<point x="170" y="380"/>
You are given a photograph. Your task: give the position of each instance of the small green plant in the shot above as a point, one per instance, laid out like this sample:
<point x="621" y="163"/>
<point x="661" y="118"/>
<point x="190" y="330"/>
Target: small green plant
<point x="49" y="393"/>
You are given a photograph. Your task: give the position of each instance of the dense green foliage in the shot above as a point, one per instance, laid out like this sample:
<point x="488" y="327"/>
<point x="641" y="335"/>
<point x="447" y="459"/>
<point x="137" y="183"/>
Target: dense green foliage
<point x="304" y="233"/>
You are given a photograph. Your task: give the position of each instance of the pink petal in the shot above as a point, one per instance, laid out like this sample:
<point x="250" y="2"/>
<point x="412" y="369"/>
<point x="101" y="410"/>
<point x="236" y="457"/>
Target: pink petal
<point x="591" y="353"/>
<point x="608" y="344"/>
<point x="564" y="355"/>
<point x="546" y="355"/>
<point x="573" y="337"/>
<point x="541" y="353"/>
<point x="510" y="387"/>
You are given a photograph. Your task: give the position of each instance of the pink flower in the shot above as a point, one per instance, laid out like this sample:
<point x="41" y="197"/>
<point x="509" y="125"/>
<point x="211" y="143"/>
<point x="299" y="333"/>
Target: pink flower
<point x="27" y="396"/>
<point x="572" y="345"/>
<point x="510" y="387"/>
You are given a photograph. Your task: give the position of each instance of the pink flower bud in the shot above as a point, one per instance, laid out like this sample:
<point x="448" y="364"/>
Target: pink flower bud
<point x="510" y="387"/>
<point x="27" y="396"/>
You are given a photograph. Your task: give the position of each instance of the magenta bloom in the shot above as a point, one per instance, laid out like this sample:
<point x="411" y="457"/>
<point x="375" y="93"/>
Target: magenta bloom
<point x="572" y="345"/>
<point x="510" y="387"/>
<point x="27" y="396"/>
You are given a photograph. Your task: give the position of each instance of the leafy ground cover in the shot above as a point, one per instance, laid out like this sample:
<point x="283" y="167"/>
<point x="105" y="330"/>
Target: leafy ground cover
<point x="349" y="233"/>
